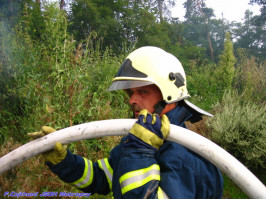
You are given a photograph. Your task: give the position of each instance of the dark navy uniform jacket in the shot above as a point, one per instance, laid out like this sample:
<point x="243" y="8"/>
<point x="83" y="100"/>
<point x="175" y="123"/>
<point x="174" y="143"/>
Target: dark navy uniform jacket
<point x="172" y="172"/>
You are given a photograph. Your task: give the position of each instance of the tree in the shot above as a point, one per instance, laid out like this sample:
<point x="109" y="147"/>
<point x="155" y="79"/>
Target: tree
<point x="260" y="22"/>
<point x="197" y="29"/>
<point x="251" y="35"/>
<point x="119" y="22"/>
<point x="163" y="8"/>
<point x="218" y="29"/>
<point x="262" y="3"/>
<point x="207" y="14"/>
<point x="225" y="71"/>
<point x="192" y="10"/>
<point x="100" y="16"/>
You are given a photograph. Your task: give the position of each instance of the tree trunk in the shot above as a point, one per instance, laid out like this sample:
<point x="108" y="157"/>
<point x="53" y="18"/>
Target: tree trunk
<point x="210" y="43"/>
<point x="207" y="29"/>
<point x="160" y="6"/>
<point x="62" y="3"/>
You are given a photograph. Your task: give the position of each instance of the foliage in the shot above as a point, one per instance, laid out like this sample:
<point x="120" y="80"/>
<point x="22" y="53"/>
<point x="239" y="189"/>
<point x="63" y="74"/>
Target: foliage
<point x="55" y="67"/>
<point x="239" y="127"/>
<point x="262" y="3"/>
<point x="250" y="76"/>
<point x="55" y="82"/>
<point x="231" y="191"/>
<point x="251" y="35"/>
<point x="188" y="54"/>
<point x="225" y="72"/>
<point x="201" y="29"/>
<point x="119" y="22"/>
<point x="60" y="83"/>
<point x="202" y="84"/>
<point x="207" y="81"/>
<point x="218" y="29"/>
<point x="99" y="16"/>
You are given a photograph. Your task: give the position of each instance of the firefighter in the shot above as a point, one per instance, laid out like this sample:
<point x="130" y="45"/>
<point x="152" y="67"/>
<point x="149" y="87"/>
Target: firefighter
<point x="144" y="165"/>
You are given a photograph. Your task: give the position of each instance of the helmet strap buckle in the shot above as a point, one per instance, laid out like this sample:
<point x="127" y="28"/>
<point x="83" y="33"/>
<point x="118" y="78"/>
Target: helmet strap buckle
<point x="159" y="107"/>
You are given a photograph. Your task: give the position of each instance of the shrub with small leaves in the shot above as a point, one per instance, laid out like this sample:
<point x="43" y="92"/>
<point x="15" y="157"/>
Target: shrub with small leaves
<point x="239" y="127"/>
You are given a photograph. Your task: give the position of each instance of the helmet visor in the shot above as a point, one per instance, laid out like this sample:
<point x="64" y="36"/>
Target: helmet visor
<point x="121" y="85"/>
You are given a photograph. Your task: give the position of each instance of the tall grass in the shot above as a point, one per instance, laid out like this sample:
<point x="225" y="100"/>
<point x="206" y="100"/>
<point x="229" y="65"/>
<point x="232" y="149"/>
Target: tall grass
<point x="57" y="82"/>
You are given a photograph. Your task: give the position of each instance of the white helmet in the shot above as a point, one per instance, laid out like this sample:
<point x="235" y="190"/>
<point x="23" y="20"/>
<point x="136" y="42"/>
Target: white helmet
<point x="152" y="65"/>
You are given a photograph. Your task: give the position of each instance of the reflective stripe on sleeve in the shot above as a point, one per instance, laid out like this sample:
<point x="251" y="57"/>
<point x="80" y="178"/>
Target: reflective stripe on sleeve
<point x="138" y="178"/>
<point x="87" y="176"/>
<point x="105" y="166"/>
<point x="161" y="194"/>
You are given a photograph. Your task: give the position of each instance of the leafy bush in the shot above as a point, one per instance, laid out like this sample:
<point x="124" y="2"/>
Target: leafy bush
<point x="202" y="84"/>
<point x="58" y="82"/>
<point x="250" y="76"/>
<point x="239" y="127"/>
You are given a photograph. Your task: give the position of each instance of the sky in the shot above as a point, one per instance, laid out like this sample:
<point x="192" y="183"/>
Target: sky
<point x="233" y="10"/>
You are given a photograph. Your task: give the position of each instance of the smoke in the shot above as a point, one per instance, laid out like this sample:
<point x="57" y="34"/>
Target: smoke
<point x="9" y="15"/>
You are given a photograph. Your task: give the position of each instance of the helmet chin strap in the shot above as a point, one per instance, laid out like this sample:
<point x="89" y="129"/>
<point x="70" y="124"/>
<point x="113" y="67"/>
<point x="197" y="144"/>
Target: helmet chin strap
<point x="159" y="107"/>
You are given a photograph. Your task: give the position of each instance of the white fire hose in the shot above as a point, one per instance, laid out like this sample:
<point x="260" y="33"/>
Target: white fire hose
<point x="249" y="183"/>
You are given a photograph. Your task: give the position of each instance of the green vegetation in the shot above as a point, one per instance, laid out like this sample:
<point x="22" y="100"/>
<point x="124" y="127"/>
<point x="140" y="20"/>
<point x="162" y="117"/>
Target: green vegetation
<point x="56" y="65"/>
<point x="239" y="127"/>
<point x="231" y="191"/>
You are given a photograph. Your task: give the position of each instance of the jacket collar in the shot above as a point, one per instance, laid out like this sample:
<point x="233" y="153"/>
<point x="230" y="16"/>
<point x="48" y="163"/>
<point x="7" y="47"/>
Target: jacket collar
<point x="179" y="115"/>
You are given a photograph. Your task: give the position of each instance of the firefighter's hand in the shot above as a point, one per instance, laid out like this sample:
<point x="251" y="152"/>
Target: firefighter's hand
<point x="56" y="155"/>
<point x="151" y="129"/>
<point x="45" y="130"/>
<point x="59" y="152"/>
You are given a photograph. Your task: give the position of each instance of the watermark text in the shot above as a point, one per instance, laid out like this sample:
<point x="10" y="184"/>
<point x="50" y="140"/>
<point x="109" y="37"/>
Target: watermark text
<point x="45" y="194"/>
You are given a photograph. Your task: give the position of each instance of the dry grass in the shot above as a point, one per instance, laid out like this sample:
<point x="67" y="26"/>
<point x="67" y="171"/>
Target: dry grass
<point x="30" y="176"/>
<point x="33" y="176"/>
<point x="199" y="127"/>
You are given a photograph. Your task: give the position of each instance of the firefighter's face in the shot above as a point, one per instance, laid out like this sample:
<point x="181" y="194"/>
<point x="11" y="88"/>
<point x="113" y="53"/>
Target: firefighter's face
<point x="144" y="97"/>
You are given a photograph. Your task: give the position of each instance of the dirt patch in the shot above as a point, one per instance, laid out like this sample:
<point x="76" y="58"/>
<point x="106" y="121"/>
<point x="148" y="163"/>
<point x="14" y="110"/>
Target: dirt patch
<point x="199" y="127"/>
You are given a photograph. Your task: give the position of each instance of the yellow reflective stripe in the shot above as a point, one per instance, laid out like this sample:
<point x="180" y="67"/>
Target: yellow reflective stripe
<point x="138" y="178"/>
<point x="146" y="136"/>
<point x="140" y="183"/>
<point x="161" y="194"/>
<point x="138" y="172"/>
<point x="105" y="166"/>
<point x="87" y="176"/>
